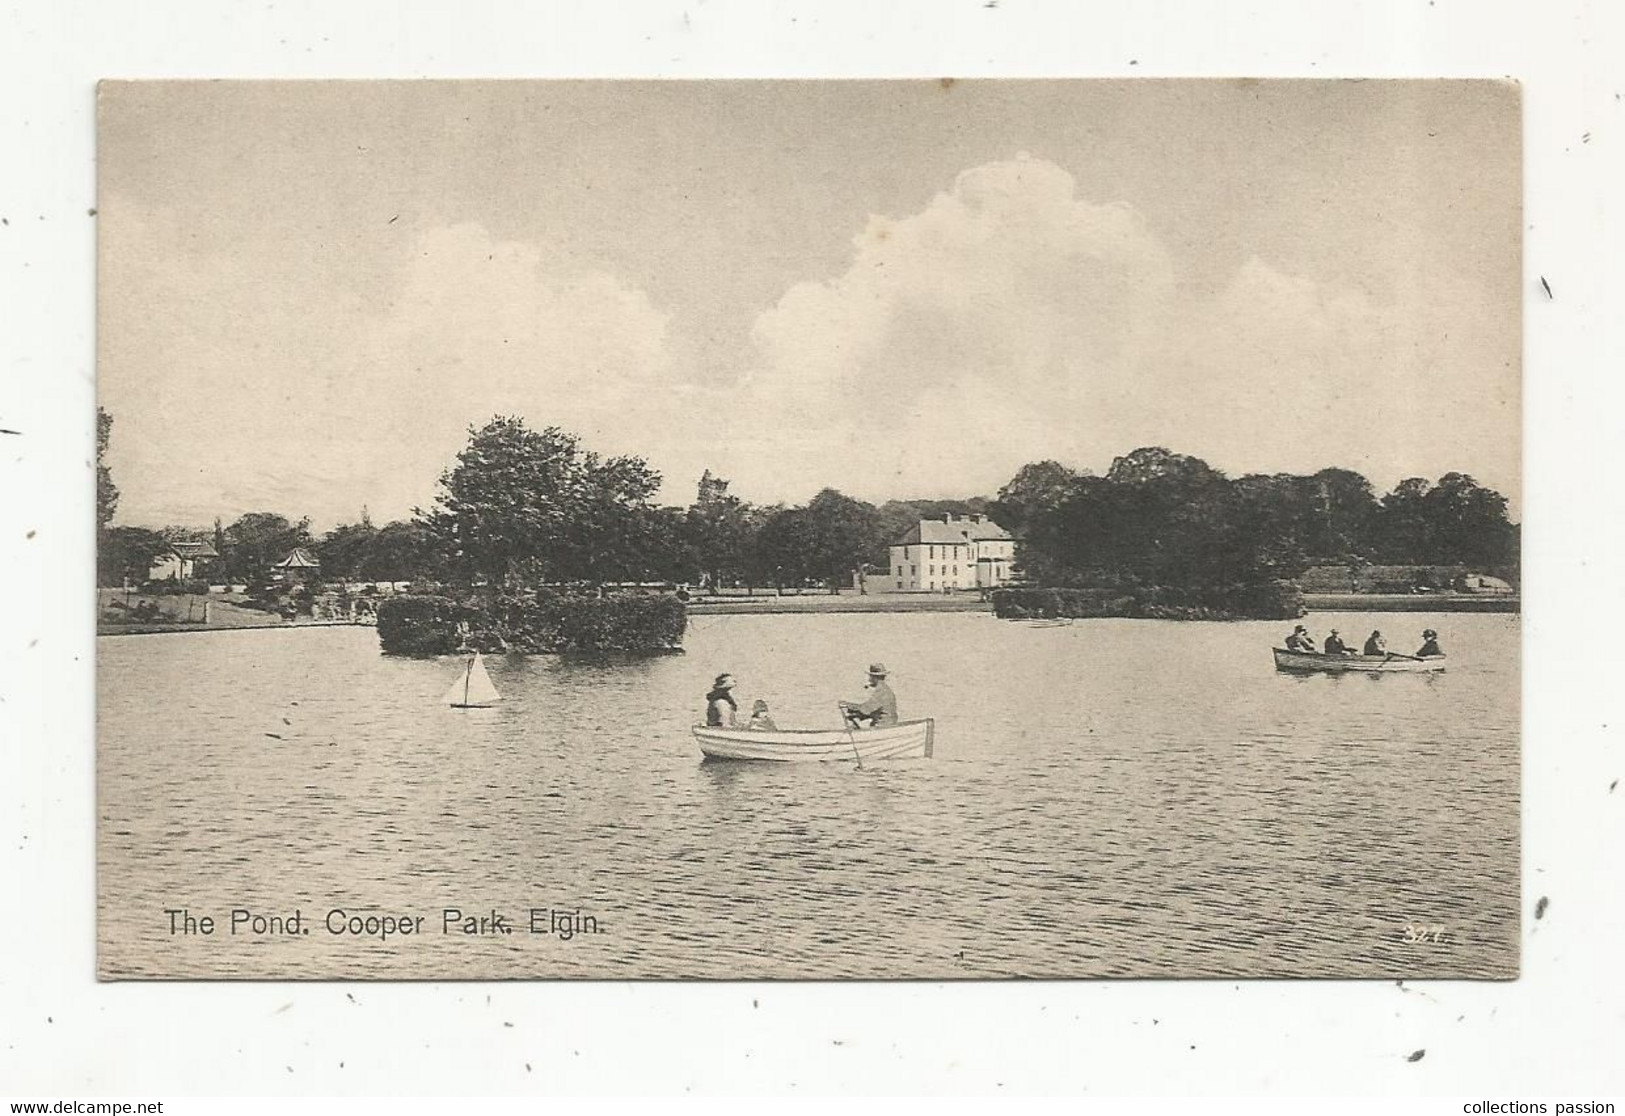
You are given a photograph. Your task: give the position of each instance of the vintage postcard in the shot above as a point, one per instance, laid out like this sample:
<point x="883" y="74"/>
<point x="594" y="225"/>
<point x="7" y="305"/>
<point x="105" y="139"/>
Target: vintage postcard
<point x="754" y="529"/>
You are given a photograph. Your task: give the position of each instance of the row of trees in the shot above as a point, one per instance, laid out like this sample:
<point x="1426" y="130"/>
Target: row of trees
<point x="247" y="549"/>
<point x="249" y="546"/>
<point x="1162" y="518"/>
<point x="534" y="506"/>
<point x="525" y="507"/>
<point x="528" y="507"/>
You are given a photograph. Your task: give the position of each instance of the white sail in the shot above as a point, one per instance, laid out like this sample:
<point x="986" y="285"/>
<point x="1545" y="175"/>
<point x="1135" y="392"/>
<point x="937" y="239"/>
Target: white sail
<point x="472" y="686"/>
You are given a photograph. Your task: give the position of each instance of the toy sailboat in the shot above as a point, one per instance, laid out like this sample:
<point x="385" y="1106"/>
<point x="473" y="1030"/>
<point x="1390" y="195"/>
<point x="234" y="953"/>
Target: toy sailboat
<point x="473" y="688"/>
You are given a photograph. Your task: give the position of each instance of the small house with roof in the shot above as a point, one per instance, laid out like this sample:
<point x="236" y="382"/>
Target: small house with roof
<point x="179" y="560"/>
<point x="954" y="552"/>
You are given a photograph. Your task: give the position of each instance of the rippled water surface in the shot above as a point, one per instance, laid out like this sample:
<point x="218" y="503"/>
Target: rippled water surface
<point x="1109" y="798"/>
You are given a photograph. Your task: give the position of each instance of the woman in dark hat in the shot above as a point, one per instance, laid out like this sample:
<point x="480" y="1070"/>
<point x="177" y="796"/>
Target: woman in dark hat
<point x="1376" y="645"/>
<point x="1430" y="644"/>
<point x="721" y="710"/>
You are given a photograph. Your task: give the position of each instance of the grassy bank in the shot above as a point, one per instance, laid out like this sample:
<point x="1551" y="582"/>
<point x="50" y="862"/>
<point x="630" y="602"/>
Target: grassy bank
<point x="117" y="613"/>
<point x="1268" y="600"/>
<point x="223" y="616"/>
<point x="180" y="629"/>
<point x="767" y="603"/>
<point x="1409" y="602"/>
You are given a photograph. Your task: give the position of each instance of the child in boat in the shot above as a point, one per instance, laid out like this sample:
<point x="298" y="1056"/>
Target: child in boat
<point x="759" y="718"/>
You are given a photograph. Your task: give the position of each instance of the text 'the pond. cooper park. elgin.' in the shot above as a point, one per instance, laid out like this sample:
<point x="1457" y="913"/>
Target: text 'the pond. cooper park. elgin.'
<point x="556" y="922"/>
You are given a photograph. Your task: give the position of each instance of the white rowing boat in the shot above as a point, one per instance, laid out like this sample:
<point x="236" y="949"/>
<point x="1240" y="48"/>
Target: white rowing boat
<point x="1313" y="662"/>
<point x="908" y="740"/>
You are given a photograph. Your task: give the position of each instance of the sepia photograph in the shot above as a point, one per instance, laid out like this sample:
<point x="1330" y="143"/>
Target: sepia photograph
<point x="790" y="530"/>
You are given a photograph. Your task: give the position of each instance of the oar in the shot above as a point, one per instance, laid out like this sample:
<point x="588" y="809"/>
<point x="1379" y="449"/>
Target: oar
<point x="1397" y="655"/>
<point x="851" y="735"/>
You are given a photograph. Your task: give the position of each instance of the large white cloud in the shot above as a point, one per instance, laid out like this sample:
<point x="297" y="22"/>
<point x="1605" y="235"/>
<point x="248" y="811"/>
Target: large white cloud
<point x="999" y="316"/>
<point x="1011" y="320"/>
<point x="310" y="402"/>
<point x="487" y="327"/>
<point x="1279" y="372"/>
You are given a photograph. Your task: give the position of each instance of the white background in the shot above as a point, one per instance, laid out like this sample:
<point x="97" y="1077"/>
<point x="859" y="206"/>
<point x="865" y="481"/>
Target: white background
<point x="1554" y="1032"/>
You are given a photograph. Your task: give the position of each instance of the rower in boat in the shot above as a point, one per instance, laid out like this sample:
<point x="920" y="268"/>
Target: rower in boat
<point x="1376" y="645"/>
<point x="1299" y="640"/>
<point x="1334" y="645"/>
<point x="878" y="707"/>
<point x="1430" y="645"/>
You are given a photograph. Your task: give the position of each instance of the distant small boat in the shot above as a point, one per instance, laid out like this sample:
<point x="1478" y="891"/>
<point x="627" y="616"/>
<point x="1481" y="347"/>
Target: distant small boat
<point x="473" y="688"/>
<point x="908" y="740"/>
<point x="1313" y="662"/>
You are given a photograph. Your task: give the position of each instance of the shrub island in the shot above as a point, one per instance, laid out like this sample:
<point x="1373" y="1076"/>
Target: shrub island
<point x="540" y="621"/>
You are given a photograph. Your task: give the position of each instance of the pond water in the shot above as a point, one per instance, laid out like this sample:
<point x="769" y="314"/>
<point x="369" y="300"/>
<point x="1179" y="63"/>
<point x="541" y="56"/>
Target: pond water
<point x="1107" y="798"/>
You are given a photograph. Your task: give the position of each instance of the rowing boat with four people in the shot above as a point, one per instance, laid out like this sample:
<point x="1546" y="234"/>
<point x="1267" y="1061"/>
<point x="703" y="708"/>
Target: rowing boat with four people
<point x="1386" y="663"/>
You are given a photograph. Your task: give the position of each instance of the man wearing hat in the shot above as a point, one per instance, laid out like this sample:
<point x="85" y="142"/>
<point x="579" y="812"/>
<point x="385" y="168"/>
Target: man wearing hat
<point x="1335" y="646"/>
<point x="879" y="707"/>
<point x="1299" y="640"/>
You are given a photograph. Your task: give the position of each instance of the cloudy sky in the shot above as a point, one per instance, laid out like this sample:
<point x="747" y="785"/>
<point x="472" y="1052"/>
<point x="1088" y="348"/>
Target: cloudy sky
<point x="309" y="292"/>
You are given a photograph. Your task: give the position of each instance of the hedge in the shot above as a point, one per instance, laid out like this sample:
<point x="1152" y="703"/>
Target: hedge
<point x="1276" y="600"/>
<point x="544" y="622"/>
<point x="171" y="587"/>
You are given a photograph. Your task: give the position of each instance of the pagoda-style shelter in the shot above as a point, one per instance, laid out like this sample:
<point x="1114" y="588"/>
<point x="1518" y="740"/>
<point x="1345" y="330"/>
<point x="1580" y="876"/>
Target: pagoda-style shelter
<point x="299" y="565"/>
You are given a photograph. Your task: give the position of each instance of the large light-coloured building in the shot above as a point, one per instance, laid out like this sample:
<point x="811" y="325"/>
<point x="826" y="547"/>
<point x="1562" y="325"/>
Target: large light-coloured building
<point x="955" y="552"/>
<point x="179" y="560"/>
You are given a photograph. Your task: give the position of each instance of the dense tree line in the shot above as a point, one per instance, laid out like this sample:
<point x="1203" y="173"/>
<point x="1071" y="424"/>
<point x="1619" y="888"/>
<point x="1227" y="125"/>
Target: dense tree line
<point x="524" y="507"/>
<point x="536" y="507"/>
<point x="531" y="507"/>
<point x="1162" y="518"/>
